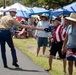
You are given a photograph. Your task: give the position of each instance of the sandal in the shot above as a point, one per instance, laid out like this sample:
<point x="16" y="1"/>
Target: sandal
<point x="48" y="69"/>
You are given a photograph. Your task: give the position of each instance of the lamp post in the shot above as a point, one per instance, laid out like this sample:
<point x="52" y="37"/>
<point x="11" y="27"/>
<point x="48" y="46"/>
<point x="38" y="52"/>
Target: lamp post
<point x="4" y="5"/>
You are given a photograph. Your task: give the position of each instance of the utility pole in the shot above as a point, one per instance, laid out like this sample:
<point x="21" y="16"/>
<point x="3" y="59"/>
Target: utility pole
<point x="4" y="5"/>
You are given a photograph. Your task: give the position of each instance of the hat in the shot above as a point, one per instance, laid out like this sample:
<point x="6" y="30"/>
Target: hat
<point x="72" y="17"/>
<point x="12" y="9"/>
<point x="57" y="18"/>
<point x="43" y="15"/>
<point x="32" y="16"/>
<point x="22" y="21"/>
<point x="53" y="17"/>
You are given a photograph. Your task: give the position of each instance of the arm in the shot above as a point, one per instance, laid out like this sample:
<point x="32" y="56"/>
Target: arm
<point x="48" y="29"/>
<point x="21" y="25"/>
<point x="22" y="31"/>
<point x="36" y="28"/>
<point x="25" y="26"/>
<point x="43" y="29"/>
<point x="36" y="32"/>
<point x="64" y="44"/>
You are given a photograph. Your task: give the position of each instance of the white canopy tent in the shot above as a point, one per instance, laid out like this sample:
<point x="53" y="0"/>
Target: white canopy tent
<point x="21" y="10"/>
<point x="2" y="9"/>
<point x="18" y="6"/>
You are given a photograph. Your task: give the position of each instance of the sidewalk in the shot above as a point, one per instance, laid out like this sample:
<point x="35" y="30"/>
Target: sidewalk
<point x="27" y="66"/>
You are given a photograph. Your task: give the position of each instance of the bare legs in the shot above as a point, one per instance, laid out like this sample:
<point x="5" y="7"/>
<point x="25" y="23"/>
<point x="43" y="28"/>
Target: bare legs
<point x="64" y="65"/>
<point x="38" y="50"/>
<point x="51" y="60"/>
<point x="70" y="67"/>
<point x="44" y="48"/>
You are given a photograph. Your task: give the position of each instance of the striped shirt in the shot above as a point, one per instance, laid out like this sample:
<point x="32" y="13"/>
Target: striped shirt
<point x="58" y="32"/>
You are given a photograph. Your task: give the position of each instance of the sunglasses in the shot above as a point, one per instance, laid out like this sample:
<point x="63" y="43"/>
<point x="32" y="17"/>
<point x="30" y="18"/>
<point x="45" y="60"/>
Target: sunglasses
<point x="14" y="12"/>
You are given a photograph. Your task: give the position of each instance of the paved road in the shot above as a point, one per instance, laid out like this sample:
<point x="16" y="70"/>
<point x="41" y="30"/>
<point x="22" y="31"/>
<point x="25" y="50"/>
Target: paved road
<point x="27" y="66"/>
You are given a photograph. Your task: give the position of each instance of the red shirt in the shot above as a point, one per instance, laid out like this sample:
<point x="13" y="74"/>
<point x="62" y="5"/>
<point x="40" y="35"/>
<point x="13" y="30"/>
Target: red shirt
<point x="59" y="33"/>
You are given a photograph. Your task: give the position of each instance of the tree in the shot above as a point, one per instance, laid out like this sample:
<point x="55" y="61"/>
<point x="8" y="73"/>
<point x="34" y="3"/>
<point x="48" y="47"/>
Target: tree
<point x="8" y="2"/>
<point x="30" y="3"/>
<point x="1" y="3"/>
<point x="50" y="3"/>
<point x="58" y="3"/>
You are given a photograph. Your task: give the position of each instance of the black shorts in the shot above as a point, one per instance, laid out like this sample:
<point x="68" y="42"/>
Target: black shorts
<point x="56" y="47"/>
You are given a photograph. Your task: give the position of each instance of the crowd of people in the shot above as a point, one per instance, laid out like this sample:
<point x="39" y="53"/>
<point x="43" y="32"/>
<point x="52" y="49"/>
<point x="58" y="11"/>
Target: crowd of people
<point x="63" y="41"/>
<point x="59" y="31"/>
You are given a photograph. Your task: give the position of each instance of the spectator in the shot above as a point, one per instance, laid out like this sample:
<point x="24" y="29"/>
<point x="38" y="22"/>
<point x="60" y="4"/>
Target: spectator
<point x="70" y="43"/>
<point x="65" y="22"/>
<point x="31" y="21"/>
<point x="58" y="33"/>
<point x="42" y="35"/>
<point x="21" y="33"/>
<point x="57" y="41"/>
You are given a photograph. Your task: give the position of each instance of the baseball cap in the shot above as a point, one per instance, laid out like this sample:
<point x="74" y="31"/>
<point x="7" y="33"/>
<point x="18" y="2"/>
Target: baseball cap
<point x="57" y="18"/>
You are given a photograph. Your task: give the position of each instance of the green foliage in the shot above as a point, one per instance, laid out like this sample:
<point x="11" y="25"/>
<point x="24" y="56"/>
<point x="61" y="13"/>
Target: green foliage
<point x="59" y="3"/>
<point x="50" y="3"/>
<point x="1" y="3"/>
<point x="31" y="3"/>
<point x="8" y="2"/>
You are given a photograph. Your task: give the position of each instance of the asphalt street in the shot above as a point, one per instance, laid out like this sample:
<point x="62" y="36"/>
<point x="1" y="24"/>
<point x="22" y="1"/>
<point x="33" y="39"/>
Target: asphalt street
<point x="27" y="66"/>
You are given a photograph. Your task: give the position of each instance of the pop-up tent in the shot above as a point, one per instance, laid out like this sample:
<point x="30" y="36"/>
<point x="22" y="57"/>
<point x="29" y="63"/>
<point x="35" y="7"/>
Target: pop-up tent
<point x="59" y="12"/>
<point x="1" y="9"/>
<point x="37" y="10"/>
<point x="70" y="7"/>
<point x="66" y="10"/>
<point x="56" y="12"/>
<point x="19" y="6"/>
<point x="21" y="10"/>
<point x="74" y="8"/>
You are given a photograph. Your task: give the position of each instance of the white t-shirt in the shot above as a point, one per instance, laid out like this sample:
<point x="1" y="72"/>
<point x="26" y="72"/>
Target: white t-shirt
<point x="42" y="24"/>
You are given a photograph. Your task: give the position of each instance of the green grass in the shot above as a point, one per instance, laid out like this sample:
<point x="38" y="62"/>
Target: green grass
<point x="22" y="44"/>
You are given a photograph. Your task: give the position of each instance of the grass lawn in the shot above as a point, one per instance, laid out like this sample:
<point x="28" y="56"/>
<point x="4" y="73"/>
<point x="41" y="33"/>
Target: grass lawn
<point x="26" y="44"/>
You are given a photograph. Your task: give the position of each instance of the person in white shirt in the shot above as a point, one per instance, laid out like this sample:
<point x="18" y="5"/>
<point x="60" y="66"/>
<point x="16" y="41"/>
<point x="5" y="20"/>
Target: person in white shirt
<point x="42" y="35"/>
